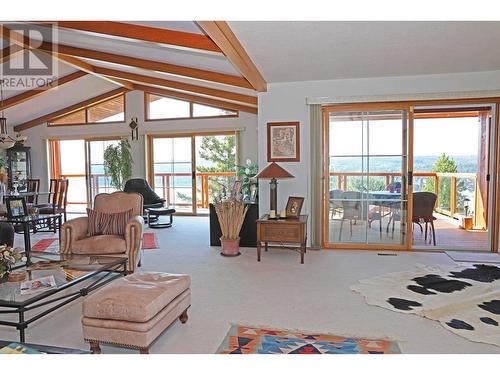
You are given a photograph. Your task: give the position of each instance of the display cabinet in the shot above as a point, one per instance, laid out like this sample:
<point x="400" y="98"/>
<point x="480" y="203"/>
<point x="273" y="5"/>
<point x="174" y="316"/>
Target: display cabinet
<point x="18" y="167"/>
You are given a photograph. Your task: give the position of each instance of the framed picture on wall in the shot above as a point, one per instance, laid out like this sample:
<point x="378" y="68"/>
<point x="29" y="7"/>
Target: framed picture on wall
<point x="283" y="141"/>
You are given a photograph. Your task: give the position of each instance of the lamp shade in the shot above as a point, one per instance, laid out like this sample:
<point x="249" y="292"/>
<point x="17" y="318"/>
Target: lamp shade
<point x="273" y="170"/>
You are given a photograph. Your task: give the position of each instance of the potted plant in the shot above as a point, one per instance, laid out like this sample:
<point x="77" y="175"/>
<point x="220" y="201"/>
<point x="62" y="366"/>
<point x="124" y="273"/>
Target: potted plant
<point x="231" y="213"/>
<point x="118" y="163"/>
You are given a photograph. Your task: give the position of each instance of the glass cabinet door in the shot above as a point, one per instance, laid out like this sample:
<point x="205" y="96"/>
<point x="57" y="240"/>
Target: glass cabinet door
<point x="19" y="167"/>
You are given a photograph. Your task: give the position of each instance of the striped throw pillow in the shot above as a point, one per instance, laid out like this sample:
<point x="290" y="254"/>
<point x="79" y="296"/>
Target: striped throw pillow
<point x="107" y="223"/>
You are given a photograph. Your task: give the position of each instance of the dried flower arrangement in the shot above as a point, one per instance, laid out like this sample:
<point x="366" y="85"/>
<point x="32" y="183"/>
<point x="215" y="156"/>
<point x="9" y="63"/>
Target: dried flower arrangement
<point x="231" y="214"/>
<point x="8" y="257"/>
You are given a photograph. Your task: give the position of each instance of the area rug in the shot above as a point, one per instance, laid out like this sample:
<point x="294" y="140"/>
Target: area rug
<point x="251" y="340"/>
<point x="51" y="244"/>
<point x="465" y="300"/>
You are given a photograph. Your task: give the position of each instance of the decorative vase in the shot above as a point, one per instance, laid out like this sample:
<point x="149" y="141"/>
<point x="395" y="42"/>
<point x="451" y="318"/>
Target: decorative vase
<point x="230" y="248"/>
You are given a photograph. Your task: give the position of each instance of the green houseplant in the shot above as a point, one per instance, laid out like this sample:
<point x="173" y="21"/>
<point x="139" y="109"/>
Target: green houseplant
<point x="118" y="163"/>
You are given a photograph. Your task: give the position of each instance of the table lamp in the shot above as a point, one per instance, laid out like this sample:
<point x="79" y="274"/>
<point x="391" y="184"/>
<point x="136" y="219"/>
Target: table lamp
<point x="273" y="171"/>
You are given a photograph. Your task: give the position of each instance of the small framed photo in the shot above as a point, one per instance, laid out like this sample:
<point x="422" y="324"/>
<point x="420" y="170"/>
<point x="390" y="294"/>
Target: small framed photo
<point x="236" y="188"/>
<point x="16" y="207"/>
<point x="283" y="141"/>
<point x="294" y="206"/>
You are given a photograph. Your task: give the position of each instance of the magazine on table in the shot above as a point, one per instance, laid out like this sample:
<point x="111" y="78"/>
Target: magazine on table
<point x="38" y="285"/>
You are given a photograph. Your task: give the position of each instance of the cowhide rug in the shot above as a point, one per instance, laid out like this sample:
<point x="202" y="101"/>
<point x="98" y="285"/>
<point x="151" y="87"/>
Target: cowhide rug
<point x="464" y="300"/>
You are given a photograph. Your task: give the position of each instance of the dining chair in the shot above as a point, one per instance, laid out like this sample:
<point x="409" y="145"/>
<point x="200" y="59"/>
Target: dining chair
<point x="423" y="209"/>
<point x="33" y="186"/>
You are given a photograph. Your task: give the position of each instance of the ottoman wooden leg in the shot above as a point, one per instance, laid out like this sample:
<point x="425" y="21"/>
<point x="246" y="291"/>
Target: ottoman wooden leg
<point x="184" y="317"/>
<point x="144" y="350"/>
<point x="94" y="347"/>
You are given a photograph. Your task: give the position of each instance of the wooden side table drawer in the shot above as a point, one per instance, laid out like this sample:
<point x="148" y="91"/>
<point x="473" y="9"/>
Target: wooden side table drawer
<point x="281" y="233"/>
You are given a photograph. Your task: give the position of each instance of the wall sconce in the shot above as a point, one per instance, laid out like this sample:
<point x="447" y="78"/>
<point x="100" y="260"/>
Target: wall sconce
<point x="134" y="126"/>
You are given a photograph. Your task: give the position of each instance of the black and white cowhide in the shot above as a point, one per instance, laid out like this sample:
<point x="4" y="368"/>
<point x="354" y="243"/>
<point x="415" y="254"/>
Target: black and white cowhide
<point x="464" y="300"/>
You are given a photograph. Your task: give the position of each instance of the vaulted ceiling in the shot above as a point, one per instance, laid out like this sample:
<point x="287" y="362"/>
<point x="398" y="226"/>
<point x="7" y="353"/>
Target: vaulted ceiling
<point x="229" y="63"/>
<point x="201" y="62"/>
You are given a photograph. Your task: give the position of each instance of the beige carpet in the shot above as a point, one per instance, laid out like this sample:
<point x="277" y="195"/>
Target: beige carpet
<point x="277" y="292"/>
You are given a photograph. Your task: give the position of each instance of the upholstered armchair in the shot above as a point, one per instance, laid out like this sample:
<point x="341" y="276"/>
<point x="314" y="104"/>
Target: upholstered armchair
<point x="75" y="238"/>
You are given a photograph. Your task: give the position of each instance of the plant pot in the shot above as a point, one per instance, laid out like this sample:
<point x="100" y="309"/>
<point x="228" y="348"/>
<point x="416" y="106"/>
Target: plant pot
<point x="230" y="248"/>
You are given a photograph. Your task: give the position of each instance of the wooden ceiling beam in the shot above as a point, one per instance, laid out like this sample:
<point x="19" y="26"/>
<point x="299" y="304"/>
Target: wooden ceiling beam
<point x="223" y="36"/>
<point x="177" y="39"/>
<point x="24" y="42"/>
<point x="31" y="94"/>
<point x="196" y="99"/>
<point x="139" y="78"/>
<point x="157" y="66"/>
<point x="74" y="107"/>
<point x="8" y="53"/>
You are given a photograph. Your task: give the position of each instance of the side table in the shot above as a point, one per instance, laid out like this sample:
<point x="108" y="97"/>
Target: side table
<point x="282" y="231"/>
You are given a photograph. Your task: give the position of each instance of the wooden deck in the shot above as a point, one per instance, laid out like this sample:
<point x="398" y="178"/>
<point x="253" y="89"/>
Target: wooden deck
<point x="448" y="235"/>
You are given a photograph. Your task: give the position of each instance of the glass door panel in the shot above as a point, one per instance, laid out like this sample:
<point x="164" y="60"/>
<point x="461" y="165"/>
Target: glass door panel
<point x="367" y="165"/>
<point x="173" y="171"/>
<point x="98" y="181"/>
<point x="72" y="166"/>
<point x="215" y="168"/>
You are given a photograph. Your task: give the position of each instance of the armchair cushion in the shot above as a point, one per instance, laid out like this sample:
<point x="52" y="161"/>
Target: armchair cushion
<point x="101" y="244"/>
<point x="107" y="223"/>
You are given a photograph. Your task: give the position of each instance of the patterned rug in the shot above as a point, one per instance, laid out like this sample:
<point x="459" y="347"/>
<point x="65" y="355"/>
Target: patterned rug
<point x="250" y="340"/>
<point x="51" y="244"/>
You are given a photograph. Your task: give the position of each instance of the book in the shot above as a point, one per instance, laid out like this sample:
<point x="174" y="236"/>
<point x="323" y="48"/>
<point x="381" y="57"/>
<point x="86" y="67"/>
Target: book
<point x="16" y="348"/>
<point x="38" y="285"/>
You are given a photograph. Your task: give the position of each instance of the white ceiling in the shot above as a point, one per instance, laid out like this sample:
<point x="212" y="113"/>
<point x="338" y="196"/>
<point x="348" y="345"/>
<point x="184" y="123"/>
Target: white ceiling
<point x="298" y="51"/>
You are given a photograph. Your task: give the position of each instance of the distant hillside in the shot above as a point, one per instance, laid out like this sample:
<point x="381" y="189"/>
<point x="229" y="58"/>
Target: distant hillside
<point x="466" y="164"/>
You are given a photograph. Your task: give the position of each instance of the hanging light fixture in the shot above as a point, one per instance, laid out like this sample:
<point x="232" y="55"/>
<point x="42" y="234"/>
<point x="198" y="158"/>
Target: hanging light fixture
<point x="6" y="141"/>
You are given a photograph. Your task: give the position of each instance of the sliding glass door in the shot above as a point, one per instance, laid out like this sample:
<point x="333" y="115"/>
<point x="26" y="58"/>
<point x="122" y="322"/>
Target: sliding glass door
<point x="366" y="200"/>
<point x="81" y="162"/>
<point x="173" y="171"/>
<point x="190" y="171"/>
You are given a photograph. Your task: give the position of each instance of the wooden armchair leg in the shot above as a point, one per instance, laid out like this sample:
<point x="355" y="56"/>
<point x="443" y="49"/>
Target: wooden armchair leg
<point x="144" y="350"/>
<point x="184" y="317"/>
<point x="94" y="347"/>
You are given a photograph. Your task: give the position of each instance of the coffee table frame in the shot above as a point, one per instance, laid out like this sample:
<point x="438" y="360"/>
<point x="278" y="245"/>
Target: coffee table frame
<point x="110" y="272"/>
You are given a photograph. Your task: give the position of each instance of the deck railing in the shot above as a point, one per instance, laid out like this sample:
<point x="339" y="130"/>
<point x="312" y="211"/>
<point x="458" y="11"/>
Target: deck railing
<point x="203" y="184"/>
<point x="203" y="180"/>
<point x="459" y="186"/>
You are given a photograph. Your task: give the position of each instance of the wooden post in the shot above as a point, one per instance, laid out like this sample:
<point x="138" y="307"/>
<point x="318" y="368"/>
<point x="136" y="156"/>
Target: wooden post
<point x="453" y="196"/>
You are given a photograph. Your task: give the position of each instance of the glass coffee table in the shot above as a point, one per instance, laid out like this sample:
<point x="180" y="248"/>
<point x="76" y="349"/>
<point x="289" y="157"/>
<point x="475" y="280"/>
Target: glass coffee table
<point x="74" y="276"/>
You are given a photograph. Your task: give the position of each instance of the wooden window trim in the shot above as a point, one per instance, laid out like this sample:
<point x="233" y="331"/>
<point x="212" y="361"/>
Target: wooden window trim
<point x="86" y="109"/>
<point x="191" y="105"/>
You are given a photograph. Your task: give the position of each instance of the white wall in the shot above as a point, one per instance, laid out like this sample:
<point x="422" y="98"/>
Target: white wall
<point x="287" y="102"/>
<point x="135" y="108"/>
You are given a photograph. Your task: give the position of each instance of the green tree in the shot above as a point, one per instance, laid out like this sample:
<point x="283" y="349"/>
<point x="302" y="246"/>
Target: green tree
<point x="221" y="152"/>
<point x="444" y="164"/>
<point x="118" y="163"/>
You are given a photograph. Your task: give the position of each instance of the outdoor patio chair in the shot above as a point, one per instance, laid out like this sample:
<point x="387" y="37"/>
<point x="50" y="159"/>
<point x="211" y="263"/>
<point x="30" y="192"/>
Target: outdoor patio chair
<point x="423" y="208"/>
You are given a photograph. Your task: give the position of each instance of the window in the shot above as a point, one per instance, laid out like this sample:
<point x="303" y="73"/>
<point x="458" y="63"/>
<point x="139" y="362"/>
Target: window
<point x="110" y="110"/>
<point x="164" y="108"/>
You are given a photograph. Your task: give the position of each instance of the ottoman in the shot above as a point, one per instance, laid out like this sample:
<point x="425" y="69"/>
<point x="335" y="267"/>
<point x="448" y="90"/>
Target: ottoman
<point x="133" y="311"/>
<point x="157" y="213"/>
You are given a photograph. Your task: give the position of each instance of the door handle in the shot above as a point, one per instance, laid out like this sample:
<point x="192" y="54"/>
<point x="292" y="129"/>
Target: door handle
<point x="410" y="178"/>
<point x="193" y="175"/>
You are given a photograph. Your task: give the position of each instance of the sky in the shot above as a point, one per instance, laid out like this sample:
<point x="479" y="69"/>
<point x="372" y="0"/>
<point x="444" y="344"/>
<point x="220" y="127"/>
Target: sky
<point x="432" y="137"/>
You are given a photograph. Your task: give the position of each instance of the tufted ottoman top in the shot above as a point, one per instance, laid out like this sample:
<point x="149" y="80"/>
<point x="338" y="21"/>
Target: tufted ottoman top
<point x="135" y="298"/>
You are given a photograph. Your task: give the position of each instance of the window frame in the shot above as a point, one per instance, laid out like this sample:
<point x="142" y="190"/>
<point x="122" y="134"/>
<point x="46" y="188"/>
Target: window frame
<point x="191" y="117"/>
<point x="86" y="109"/>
